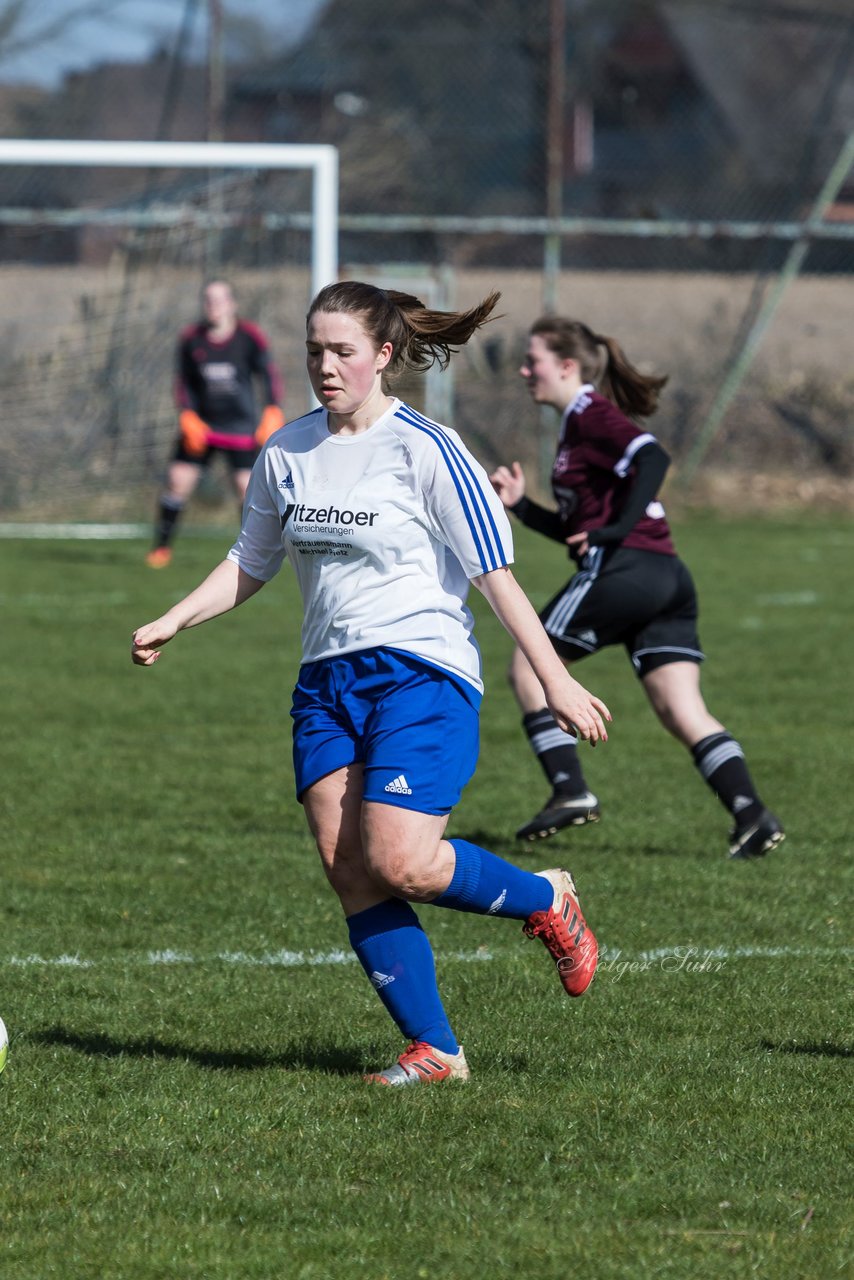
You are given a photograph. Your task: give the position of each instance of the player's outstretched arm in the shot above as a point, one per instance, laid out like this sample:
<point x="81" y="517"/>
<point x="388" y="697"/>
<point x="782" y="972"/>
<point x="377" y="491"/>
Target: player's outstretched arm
<point x="223" y="589"/>
<point x="575" y="710"/>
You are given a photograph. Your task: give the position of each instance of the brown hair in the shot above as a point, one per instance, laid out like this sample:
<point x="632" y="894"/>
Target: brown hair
<point x="419" y="337"/>
<point x="603" y="362"/>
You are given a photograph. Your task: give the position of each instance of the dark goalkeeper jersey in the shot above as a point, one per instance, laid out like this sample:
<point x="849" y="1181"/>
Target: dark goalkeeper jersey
<point x="215" y="379"/>
<point x="592" y="472"/>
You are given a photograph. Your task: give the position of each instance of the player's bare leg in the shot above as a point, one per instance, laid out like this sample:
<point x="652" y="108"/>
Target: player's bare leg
<point x="240" y="479"/>
<point x="674" y="695"/>
<point x="181" y="483"/>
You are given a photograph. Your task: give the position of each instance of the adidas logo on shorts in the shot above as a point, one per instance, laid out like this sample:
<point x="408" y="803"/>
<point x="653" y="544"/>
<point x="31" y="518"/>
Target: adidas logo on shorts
<point x="399" y="786"/>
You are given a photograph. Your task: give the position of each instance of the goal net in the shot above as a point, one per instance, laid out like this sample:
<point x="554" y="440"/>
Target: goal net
<point x="104" y="249"/>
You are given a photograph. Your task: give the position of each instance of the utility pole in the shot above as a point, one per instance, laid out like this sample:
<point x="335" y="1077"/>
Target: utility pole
<point x="215" y="130"/>
<point x="555" y="118"/>
<point x="216" y="74"/>
<point x="555" y="124"/>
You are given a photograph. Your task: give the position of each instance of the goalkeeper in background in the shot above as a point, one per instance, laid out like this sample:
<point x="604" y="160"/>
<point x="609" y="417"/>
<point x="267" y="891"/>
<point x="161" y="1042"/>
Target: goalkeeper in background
<point x="219" y="361"/>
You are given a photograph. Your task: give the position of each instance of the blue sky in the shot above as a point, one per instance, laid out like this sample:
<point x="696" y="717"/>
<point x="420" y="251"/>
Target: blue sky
<point x="128" y="30"/>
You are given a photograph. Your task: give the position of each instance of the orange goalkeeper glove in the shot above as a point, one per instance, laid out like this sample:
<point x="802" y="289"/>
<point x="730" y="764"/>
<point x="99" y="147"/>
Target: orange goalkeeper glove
<point x="194" y="433"/>
<point x="271" y="419"/>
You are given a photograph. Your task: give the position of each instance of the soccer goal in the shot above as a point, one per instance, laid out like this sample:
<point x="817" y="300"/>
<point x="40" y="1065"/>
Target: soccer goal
<point x="104" y="247"/>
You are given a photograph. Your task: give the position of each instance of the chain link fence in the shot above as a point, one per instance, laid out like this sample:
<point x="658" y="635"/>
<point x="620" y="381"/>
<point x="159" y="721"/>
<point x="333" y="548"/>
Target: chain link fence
<point x="678" y="175"/>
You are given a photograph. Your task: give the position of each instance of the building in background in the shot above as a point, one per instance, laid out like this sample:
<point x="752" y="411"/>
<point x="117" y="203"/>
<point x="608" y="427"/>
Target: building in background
<point x="668" y="110"/>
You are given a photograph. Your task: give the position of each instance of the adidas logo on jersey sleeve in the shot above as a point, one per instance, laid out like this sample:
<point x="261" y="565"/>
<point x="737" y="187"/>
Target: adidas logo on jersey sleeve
<point x="398" y="786"/>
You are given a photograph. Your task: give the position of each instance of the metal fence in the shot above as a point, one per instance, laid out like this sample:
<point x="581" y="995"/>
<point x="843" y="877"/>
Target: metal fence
<point x="679" y="175"/>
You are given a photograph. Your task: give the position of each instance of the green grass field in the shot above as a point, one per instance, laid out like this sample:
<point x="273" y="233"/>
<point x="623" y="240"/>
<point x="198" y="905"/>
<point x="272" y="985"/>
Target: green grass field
<point x="183" y="1093"/>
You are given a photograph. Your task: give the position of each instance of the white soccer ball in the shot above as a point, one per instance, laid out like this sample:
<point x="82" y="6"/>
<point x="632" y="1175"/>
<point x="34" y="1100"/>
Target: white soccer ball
<point x="4" y="1044"/>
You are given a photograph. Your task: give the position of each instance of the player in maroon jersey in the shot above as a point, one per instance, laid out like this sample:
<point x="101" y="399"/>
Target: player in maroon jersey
<point x="630" y="588"/>
<point x="219" y="359"/>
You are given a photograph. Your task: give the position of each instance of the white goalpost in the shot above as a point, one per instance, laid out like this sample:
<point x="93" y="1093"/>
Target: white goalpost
<point x="103" y="250"/>
<point x="320" y="160"/>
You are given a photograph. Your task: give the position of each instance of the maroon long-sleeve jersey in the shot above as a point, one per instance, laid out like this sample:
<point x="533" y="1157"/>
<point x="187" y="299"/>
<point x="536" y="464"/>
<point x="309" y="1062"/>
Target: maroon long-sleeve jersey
<point x="591" y="476"/>
<point x="218" y="379"/>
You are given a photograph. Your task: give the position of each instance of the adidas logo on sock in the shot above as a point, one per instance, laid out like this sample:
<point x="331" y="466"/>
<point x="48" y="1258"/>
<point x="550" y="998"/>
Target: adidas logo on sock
<point x="381" y="979"/>
<point x="741" y="802"/>
<point x="399" y="786"/>
<point x="498" y="903"/>
<point x="288" y="482"/>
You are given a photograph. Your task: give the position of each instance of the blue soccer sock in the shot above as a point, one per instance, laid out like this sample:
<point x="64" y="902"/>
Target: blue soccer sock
<point x="395" y="953"/>
<point x="488" y="886"/>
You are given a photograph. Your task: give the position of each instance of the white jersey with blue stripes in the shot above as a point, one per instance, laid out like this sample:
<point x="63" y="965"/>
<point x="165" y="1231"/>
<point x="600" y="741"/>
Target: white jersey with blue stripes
<point x="384" y="529"/>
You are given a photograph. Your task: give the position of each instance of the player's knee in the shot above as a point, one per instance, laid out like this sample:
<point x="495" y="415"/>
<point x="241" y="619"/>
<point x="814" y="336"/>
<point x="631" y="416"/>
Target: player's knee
<point x="668" y="720"/>
<point x="388" y="869"/>
<point x="680" y="725"/>
<point x="400" y="873"/>
<point x="345" y="868"/>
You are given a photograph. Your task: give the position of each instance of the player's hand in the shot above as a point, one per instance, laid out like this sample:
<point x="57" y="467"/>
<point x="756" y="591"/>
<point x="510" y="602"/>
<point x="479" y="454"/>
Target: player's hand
<point x="271" y="419"/>
<point x="194" y="433"/>
<point x="578" y="711"/>
<point x="148" y="641"/>
<point x="509" y="483"/>
<point x="578" y="544"/>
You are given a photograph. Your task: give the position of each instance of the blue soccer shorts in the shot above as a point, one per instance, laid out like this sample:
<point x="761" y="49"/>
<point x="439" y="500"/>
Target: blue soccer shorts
<point x="414" y="727"/>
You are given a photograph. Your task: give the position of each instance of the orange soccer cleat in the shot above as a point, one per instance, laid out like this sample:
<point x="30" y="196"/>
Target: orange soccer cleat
<point x="159" y="558"/>
<point x="565" y="934"/>
<point x="420" y="1063"/>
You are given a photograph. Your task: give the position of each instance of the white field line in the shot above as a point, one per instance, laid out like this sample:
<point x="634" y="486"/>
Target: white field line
<point x="686" y="955"/>
<point x="95" y="532"/>
<point x="62" y="599"/>
<point x="103" y="532"/>
<point x="790" y="598"/>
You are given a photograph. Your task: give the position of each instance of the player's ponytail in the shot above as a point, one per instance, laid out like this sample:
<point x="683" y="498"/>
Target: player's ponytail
<point x="602" y="362"/>
<point x="634" y="392"/>
<point x="419" y="336"/>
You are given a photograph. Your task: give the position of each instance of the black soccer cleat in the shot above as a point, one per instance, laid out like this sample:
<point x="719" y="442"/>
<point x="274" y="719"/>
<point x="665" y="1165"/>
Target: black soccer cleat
<point x="558" y="812"/>
<point x="758" y="838"/>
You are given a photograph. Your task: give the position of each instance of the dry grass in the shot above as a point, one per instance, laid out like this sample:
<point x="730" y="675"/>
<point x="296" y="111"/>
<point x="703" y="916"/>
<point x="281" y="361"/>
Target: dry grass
<point x="86" y="372"/>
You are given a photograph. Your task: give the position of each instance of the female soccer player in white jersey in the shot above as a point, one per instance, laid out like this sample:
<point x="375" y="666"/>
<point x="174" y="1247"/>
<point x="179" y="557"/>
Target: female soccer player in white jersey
<point x="385" y="518"/>
<point x="630" y="589"/>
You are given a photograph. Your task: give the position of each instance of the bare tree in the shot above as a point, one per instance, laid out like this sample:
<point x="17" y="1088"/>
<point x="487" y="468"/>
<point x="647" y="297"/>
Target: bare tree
<point x="28" y="25"/>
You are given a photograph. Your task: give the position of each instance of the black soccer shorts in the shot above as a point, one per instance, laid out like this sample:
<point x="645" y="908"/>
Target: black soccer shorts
<point x="643" y="600"/>
<point x="237" y="459"/>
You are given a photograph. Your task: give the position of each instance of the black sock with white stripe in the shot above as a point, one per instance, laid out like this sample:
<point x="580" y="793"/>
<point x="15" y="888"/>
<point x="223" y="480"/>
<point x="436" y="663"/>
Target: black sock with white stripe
<point x="720" y="760"/>
<point x="556" y="752"/>
<point x="167" y="517"/>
